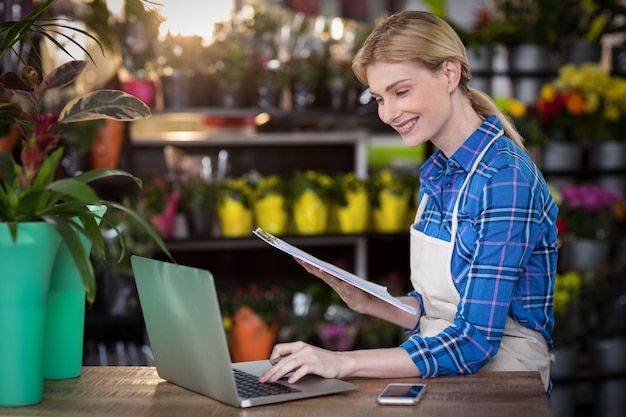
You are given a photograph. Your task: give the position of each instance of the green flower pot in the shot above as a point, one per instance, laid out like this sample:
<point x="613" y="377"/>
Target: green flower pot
<point x="65" y="316"/>
<point x="26" y="267"/>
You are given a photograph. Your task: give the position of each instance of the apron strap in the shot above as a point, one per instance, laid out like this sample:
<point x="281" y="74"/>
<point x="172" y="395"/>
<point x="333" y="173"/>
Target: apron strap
<point x="422" y="204"/>
<point x="455" y="220"/>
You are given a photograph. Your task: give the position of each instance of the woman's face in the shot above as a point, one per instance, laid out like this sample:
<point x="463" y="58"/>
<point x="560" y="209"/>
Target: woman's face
<point x="413" y="100"/>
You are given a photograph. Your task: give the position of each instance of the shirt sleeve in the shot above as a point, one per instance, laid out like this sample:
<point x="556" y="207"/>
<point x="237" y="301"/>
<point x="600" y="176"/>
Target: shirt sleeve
<point x="497" y="231"/>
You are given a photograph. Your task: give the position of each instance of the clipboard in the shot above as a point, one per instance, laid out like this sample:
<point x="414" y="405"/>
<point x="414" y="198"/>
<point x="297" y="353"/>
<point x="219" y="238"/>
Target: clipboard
<point x="369" y="287"/>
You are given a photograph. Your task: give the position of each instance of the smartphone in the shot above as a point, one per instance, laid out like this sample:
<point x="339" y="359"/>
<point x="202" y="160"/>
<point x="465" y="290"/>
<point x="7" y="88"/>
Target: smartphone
<point x="401" y="394"/>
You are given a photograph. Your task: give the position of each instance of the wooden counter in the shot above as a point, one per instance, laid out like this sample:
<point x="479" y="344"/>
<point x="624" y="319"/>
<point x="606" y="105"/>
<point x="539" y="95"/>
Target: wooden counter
<point x="138" y="392"/>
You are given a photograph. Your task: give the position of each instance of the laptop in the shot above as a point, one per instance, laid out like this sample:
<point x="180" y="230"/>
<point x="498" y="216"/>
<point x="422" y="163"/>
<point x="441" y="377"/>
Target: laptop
<point x="185" y="330"/>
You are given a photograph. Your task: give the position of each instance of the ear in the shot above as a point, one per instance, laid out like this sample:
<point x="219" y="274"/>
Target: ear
<point x="452" y="72"/>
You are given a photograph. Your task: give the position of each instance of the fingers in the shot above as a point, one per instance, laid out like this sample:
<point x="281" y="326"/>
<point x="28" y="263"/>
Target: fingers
<point x="297" y="359"/>
<point x="308" y="267"/>
<point x="280" y="352"/>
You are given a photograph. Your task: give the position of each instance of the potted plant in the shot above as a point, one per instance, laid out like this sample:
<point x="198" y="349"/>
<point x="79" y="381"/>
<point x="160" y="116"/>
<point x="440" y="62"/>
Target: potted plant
<point x="351" y="203"/>
<point x="391" y="195"/>
<point x="480" y="38"/>
<point x="231" y="56"/>
<point x="567" y="290"/>
<point x="586" y="213"/>
<point x="252" y="318"/>
<point x="341" y="84"/>
<point x="271" y="204"/>
<point x="584" y="25"/>
<point x="37" y="208"/>
<point x="198" y="201"/>
<point x="183" y="77"/>
<point x="311" y="192"/>
<point x="583" y="105"/>
<point x="234" y="207"/>
<point x="531" y="41"/>
<point x="132" y="34"/>
<point x="526" y="123"/>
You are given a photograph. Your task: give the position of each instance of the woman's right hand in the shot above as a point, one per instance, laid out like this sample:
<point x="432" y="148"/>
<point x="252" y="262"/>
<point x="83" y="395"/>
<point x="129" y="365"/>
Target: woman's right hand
<point x="364" y="303"/>
<point x="355" y="298"/>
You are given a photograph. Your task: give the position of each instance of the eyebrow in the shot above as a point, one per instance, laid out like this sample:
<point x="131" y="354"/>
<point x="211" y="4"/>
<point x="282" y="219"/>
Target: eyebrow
<point x="389" y="87"/>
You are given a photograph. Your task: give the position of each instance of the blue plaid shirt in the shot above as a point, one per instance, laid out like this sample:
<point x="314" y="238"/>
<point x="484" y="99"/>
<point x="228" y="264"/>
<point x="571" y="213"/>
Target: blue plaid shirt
<point x="505" y="253"/>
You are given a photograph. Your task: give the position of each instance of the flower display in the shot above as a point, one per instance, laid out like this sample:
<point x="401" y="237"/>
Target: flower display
<point x="271" y="204"/>
<point x="548" y="21"/>
<point x="391" y="199"/>
<point x="351" y="202"/>
<point x="251" y="319"/>
<point x="566" y="292"/>
<point x="311" y="193"/>
<point x="269" y="303"/>
<point x="234" y="207"/>
<point x="583" y="103"/>
<point x="317" y="182"/>
<point x="525" y="122"/>
<point x="587" y="210"/>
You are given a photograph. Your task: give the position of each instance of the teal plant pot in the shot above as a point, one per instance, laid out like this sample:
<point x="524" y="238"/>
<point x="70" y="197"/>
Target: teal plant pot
<point x="65" y="316"/>
<point x="26" y="267"/>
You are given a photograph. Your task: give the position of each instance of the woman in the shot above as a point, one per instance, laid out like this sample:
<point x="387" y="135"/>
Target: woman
<point x="484" y="242"/>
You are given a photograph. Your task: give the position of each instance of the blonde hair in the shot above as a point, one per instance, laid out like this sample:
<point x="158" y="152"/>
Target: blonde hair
<point x="427" y="39"/>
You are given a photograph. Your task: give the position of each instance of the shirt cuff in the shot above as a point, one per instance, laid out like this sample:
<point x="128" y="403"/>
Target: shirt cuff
<point x="420" y="353"/>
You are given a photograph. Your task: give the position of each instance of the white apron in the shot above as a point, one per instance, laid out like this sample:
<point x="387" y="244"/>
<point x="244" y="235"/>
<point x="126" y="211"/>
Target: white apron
<point x="521" y="348"/>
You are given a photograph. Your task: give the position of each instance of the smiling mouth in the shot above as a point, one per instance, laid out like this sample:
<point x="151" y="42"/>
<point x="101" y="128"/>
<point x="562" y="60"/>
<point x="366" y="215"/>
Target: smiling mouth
<point x="407" y="126"/>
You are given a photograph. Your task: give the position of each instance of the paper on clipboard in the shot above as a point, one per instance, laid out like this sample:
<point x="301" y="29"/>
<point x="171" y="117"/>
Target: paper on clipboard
<point x="372" y="288"/>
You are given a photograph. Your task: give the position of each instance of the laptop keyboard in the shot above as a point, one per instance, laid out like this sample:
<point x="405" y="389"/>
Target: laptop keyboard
<point x="248" y="386"/>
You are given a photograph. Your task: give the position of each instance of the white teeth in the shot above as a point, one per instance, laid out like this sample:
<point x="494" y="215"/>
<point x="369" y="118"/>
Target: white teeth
<point x="407" y="125"/>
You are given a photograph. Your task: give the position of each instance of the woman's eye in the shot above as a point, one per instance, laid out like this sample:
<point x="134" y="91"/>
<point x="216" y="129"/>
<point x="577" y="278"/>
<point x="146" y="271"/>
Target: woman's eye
<point x="402" y="93"/>
<point x="380" y="101"/>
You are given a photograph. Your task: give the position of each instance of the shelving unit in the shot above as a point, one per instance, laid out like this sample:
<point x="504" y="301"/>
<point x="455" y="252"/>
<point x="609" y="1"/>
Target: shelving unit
<point x="280" y="153"/>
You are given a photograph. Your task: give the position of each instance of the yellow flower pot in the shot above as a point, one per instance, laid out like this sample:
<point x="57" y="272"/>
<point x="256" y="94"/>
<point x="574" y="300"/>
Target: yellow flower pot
<point x="235" y="218"/>
<point x="390" y="215"/>
<point x="310" y="214"/>
<point x="271" y="215"/>
<point x="354" y="217"/>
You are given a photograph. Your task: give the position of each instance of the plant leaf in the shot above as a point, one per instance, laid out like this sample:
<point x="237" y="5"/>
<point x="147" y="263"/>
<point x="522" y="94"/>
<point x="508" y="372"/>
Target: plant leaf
<point x="93" y="230"/>
<point x="13" y="81"/>
<point x="95" y="174"/>
<point x="70" y="232"/>
<point x="31" y="202"/>
<point x="10" y="112"/>
<point x="75" y="189"/>
<point x="8" y="200"/>
<point x="148" y="227"/>
<point x="12" y="32"/>
<point x="104" y="104"/>
<point x="48" y="168"/>
<point x="62" y="76"/>
<point x="44" y="29"/>
<point x="6" y="166"/>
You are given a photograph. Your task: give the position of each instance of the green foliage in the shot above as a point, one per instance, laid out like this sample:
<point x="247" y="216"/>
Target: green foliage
<point x="546" y="22"/>
<point x="29" y="190"/>
<point x="318" y="182"/>
<point x="14" y="33"/>
<point x="197" y="194"/>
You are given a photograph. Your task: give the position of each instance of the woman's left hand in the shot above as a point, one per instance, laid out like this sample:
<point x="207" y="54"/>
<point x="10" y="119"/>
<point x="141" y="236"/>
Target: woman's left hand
<point x="302" y="359"/>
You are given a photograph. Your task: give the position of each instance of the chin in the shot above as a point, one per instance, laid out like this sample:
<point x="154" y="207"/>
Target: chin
<point x="412" y="140"/>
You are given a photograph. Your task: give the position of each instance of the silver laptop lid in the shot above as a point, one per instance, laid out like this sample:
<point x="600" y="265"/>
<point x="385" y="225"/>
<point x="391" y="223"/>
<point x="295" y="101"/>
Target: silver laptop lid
<point x="184" y="324"/>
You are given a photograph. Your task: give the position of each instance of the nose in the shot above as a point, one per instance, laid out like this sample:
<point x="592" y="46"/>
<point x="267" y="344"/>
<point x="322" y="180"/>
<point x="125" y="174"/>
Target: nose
<point x="387" y="112"/>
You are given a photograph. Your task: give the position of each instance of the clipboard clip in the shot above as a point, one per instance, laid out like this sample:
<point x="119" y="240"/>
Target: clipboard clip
<point x="265" y="236"/>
